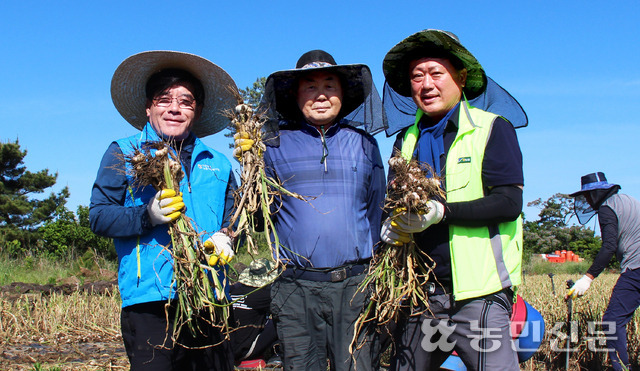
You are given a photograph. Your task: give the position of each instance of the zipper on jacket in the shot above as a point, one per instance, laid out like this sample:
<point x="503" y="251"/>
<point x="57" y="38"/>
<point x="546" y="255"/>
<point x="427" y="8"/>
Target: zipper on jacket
<point x="325" y="149"/>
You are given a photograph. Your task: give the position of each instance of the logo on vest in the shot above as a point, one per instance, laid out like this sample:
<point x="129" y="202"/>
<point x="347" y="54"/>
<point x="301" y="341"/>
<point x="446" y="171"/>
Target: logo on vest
<point x="464" y="160"/>
<point x="207" y="167"/>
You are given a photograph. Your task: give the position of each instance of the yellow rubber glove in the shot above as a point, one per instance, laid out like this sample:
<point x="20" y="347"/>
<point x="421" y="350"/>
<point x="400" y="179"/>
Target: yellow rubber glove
<point x="418" y="222"/>
<point x="219" y="249"/>
<point x="166" y="206"/>
<point x="242" y="144"/>
<point x="391" y="234"/>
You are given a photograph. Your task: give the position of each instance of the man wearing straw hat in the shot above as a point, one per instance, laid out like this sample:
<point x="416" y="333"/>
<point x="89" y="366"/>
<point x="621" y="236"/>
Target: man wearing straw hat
<point x="619" y="219"/>
<point x="327" y="242"/>
<point x="177" y="98"/>
<point x="475" y="235"/>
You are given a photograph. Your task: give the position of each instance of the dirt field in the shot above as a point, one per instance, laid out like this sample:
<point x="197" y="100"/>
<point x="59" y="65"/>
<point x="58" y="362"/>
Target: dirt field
<point x="80" y="347"/>
<point x="74" y="350"/>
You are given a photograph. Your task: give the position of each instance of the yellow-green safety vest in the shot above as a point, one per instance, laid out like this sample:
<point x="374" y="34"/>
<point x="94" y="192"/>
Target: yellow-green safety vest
<point x="480" y="264"/>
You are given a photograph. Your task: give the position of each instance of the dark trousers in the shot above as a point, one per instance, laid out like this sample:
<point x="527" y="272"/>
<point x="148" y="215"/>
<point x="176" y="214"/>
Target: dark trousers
<point x="147" y="340"/>
<point x="625" y="299"/>
<point x="315" y="322"/>
<point x="265" y="340"/>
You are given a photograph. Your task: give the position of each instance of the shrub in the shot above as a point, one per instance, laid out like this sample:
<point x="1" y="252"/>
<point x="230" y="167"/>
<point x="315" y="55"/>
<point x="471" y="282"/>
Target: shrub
<point x="67" y="234"/>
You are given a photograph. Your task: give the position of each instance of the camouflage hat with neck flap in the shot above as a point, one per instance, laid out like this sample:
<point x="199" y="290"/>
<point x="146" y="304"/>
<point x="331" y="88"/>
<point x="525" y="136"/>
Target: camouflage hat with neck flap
<point x="259" y="273"/>
<point x="434" y="44"/>
<point x="479" y="91"/>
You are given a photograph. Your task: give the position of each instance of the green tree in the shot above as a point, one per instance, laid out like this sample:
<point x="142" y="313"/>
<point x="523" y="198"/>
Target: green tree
<point x="20" y="214"/>
<point x="67" y="234"/>
<point x="252" y="95"/>
<point x="553" y="231"/>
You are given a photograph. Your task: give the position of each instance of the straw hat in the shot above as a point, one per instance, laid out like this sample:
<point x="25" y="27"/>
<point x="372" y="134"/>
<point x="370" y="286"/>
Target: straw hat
<point x="436" y="44"/>
<point x="281" y="86"/>
<point x="259" y="273"/>
<point x="130" y="78"/>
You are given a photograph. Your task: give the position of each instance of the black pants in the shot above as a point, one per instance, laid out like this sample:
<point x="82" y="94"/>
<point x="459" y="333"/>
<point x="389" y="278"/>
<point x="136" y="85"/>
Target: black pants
<point x="315" y="322"/>
<point x="147" y="340"/>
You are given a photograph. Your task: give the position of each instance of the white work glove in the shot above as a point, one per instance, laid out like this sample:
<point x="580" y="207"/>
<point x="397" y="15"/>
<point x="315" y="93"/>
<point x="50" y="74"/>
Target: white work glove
<point x="392" y="235"/>
<point x="219" y="249"/>
<point x="242" y="144"/>
<point x="580" y="287"/>
<point x="418" y="222"/>
<point x="165" y="207"/>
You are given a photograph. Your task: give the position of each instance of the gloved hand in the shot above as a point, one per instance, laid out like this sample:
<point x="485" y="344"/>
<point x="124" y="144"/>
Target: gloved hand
<point x="417" y="222"/>
<point x="219" y="249"/>
<point x="242" y="144"/>
<point x="165" y="207"/>
<point x="580" y="287"/>
<point x="392" y="235"/>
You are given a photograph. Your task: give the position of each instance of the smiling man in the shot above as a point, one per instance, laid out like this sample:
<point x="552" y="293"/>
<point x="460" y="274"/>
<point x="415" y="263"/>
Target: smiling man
<point x="320" y="98"/>
<point x="176" y="98"/>
<point x="327" y="242"/>
<point x="474" y="235"/>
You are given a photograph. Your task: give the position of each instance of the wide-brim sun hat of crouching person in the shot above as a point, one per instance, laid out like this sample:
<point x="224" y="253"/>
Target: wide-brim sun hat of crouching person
<point x="600" y="189"/>
<point x="592" y="182"/>
<point x="259" y="273"/>
<point x="361" y="103"/>
<point x="128" y="88"/>
<point x="479" y="90"/>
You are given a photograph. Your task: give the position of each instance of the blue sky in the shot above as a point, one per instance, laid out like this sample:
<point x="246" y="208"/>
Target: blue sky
<point x="573" y="65"/>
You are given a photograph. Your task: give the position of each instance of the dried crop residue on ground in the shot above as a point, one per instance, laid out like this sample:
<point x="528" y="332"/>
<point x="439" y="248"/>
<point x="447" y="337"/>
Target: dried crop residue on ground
<point x="546" y="294"/>
<point x="69" y="326"/>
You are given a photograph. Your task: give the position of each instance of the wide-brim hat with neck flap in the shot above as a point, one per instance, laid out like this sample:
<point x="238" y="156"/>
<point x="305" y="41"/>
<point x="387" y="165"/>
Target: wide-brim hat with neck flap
<point x="259" y="273"/>
<point x="434" y="44"/>
<point x="130" y="78"/>
<point x="479" y="90"/>
<point x="592" y="182"/>
<point x="281" y="87"/>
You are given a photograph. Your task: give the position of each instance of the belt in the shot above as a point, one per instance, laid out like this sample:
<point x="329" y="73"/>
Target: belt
<point x="325" y="275"/>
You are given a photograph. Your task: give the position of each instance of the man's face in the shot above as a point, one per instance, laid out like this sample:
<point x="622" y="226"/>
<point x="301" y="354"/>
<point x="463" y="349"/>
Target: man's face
<point x="175" y="119"/>
<point x="436" y="86"/>
<point x="320" y="97"/>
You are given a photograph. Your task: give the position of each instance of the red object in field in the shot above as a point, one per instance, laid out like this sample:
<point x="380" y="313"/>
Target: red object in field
<point x="562" y="256"/>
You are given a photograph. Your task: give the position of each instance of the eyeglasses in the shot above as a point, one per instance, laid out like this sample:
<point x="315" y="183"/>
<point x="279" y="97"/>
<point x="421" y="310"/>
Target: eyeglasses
<point x="183" y="102"/>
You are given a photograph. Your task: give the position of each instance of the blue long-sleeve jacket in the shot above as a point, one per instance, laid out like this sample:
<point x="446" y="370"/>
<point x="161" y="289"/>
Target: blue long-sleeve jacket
<point x="118" y="210"/>
<point x="342" y="173"/>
